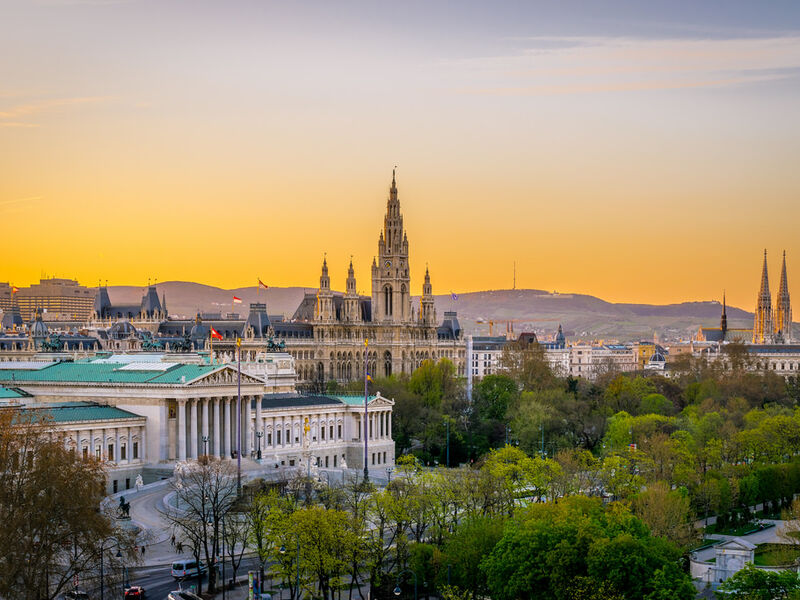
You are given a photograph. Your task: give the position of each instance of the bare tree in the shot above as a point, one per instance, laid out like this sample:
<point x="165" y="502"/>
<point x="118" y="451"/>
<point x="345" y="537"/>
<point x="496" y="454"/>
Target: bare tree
<point x="51" y="531"/>
<point x="205" y="491"/>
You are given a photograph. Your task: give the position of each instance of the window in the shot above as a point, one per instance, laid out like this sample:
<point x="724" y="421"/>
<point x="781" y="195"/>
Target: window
<point x="115" y="486"/>
<point x="384" y="457"/>
<point x="334" y="460"/>
<point x="269" y="439"/>
<point x="331" y="432"/>
<point x="340" y="431"/>
<point x="291" y="462"/>
<point x="278" y="434"/>
<point x="322" y="432"/>
<point x="123" y="449"/>
<point x="326" y="461"/>
<point x="373" y="458"/>
<point x="98" y="451"/>
<point x="86" y="452"/>
<point x="135" y="450"/>
<point x="111" y="452"/>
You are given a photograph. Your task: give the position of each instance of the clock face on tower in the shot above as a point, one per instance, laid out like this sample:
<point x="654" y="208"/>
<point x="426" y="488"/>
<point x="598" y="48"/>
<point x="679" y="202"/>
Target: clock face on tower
<point x="387" y="264"/>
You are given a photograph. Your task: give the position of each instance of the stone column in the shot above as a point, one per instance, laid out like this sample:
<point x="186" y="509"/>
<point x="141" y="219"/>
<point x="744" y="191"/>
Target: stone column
<point x="181" y="430"/>
<point x="117" y="454"/>
<point x="389" y="418"/>
<point x="205" y="402"/>
<point x="247" y="428"/>
<point x="226" y="426"/>
<point x="143" y="443"/>
<point x="217" y="429"/>
<point x="193" y="414"/>
<point x="129" y="447"/>
<point x="259" y="424"/>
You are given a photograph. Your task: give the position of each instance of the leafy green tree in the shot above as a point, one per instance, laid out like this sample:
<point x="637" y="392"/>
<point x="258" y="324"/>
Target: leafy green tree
<point x="756" y="584"/>
<point x="471" y="542"/>
<point x="666" y="512"/>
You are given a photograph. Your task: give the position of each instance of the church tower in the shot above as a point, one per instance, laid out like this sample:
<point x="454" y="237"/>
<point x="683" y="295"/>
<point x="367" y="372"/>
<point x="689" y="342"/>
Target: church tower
<point x="783" y="309"/>
<point x="762" y="324"/>
<point x="352" y="310"/>
<point x="324" y="308"/>
<point x="723" y="320"/>
<point x="391" y="299"/>
<point x="427" y="311"/>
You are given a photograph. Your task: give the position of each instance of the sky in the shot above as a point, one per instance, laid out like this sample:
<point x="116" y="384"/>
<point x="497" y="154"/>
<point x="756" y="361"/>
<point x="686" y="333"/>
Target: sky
<point x="636" y="151"/>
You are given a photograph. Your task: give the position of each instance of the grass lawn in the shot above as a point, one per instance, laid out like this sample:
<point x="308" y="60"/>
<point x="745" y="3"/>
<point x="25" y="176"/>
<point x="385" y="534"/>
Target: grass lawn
<point x="773" y="555"/>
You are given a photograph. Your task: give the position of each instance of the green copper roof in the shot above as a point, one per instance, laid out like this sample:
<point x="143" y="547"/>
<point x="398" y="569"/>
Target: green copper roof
<point x="82" y="372"/>
<point x="354" y="400"/>
<point x="6" y="393"/>
<point x="70" y="412"/>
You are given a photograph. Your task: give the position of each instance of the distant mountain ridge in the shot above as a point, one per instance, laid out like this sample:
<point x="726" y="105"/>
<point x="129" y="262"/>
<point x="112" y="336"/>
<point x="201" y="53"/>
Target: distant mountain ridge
<point x="581" y="315"/>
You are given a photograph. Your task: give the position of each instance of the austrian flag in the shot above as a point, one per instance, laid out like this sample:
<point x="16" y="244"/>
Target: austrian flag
<point x="216" y="334"/>
<point x="237" y="300"/>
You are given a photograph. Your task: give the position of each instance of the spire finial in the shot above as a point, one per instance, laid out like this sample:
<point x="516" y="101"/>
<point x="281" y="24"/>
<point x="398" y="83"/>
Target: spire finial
<point x="393" y="178"/>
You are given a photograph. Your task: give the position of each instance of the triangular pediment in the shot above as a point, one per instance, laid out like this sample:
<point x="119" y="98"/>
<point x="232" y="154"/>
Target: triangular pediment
<point x="381" y="401"/>
<point x="736" y="544"/>
<point x="224" y="375"/>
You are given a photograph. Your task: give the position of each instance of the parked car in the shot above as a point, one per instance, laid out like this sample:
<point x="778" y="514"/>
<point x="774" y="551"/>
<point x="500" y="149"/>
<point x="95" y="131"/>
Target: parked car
<point x="75" y="595"/>
<point x="187" y="568"/>
<point x="135" y="592"/>
<point x="183" y="595"/>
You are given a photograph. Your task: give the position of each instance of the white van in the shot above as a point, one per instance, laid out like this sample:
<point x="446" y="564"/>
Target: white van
<point x="187" y="568"/>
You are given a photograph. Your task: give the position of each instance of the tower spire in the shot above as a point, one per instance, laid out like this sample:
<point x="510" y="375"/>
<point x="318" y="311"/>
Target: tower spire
<point x="762" y="323"/>
<point x="723" y="321"/>
<point x="783" y="308"/>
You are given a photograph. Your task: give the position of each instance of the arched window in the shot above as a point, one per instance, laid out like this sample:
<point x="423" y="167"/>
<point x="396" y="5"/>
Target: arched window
<point x="387" y="300"/>
<point x="387" y="363"/>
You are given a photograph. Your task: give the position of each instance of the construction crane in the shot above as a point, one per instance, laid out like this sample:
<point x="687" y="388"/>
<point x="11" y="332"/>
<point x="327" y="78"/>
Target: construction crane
<point x="510" y="323"/>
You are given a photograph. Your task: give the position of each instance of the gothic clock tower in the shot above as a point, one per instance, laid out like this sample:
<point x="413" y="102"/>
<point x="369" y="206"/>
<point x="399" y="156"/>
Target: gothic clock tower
<point x="391" y="297"/>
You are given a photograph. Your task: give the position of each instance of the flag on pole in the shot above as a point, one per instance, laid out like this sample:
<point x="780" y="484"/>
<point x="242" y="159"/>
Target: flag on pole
<point x="216" y="334"/>
<point x="262" y="284"/>
<point x="237" y="300"/>
<point x="366" y="343"/>
<point x="453" y="296"/>
<point x="369" y="377"/>
<point x="14" y="289"/>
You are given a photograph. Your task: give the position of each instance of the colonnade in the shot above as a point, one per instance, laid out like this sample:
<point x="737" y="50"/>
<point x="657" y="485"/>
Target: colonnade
<point x="208" y="426"/>
<point x="118" y="444"/>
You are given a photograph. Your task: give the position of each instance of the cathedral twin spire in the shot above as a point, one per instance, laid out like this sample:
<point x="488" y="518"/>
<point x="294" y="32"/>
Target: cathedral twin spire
<point x="768" y="326"/>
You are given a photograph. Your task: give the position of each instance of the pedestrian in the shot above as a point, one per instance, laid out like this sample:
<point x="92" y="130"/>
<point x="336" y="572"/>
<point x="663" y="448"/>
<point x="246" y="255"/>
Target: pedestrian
<point x="180" y="547"/>
<point x="172" y="542"/>
<point x="142" y="550"/>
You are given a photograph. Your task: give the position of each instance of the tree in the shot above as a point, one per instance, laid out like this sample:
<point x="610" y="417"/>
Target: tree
<point x="51" y="528"/>
<point x="553" y="550"/>
<point x="471" y="542"/>
<point x="265" y="515"/>
<point x="205" y="492"/>
<point x="666" y="512"/>
<point x="527" y="365"/>
<point x="756" y="584"/>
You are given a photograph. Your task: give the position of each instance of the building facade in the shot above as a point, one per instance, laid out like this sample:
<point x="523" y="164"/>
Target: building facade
<point x="57" y="299"/>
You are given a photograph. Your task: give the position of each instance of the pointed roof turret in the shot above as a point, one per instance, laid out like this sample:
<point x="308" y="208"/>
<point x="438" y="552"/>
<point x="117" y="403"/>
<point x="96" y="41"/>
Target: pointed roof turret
<point x="324" y="279"/>
<point x="783" y="286"/>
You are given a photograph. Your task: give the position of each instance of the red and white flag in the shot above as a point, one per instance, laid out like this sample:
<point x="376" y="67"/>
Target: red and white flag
<point x="216" y="334"/>
<point x="237" y="300"/>
<point x="262" y="284"/>
<point x="14" y="289"/>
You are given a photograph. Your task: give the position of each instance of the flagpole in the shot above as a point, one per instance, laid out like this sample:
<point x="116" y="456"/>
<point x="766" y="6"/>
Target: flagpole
<point x="239" y="418"/>
<point x="211" y="347"/>
<point x="366" y="425"/>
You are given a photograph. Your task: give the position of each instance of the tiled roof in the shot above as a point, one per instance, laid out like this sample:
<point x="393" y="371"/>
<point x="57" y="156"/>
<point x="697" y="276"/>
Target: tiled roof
<point x="105" y="373"/>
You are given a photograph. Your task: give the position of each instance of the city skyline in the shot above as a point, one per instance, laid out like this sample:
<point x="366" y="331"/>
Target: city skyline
<point x="637" y="154"/>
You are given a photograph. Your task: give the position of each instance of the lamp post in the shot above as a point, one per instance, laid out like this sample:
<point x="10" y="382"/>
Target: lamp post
<point x="389" y="474"/>
<point x="447" y="428"/>
<point x="259" y="435"/>
<point x="239" y="417"/>
<point x="125" y="583"/>
<point x="397" y="591"/>
<point x="205" y="445"/>
<point x="366" y="416"/>
<point x="297" y="585"/>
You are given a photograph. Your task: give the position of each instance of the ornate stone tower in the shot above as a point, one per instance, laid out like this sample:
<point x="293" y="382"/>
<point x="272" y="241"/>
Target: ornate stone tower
<point x="427" y="311"/>
<point x="352" y="313"/>
<point x="783" y="309"/>
<point x="762" y="324"/>
<point x="391" y="299"/>
<point x="324" y="309"/>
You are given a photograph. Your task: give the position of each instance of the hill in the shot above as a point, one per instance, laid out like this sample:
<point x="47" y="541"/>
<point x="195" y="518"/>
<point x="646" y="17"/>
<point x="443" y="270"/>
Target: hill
<point x="581" y="315"/>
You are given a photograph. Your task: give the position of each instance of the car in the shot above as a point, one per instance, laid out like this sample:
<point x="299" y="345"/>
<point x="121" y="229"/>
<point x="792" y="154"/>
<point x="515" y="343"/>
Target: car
<point x="75" y="595"/>
<point x="183" y="595"/>
<point x="187" y="568"/>
<point x="135" y="592"/>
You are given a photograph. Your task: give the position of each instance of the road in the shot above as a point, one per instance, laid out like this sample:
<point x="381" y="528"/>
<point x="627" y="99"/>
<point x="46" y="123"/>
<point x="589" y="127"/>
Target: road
<point x="158" y="582"/>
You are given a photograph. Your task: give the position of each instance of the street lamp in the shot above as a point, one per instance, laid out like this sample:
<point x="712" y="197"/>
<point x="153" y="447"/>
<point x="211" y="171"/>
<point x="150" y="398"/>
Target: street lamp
<point x="447" y="428"/>
<point x="389" y="474"/>
<point x="297" y="585"/>
<point x="205" y="445"/>
<point x="259" y="435"/>
<point x="397" y="591"/>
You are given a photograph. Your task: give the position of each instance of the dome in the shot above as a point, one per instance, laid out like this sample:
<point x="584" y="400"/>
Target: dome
<point x="38" y="328"/>
<point x="121" y="330"/>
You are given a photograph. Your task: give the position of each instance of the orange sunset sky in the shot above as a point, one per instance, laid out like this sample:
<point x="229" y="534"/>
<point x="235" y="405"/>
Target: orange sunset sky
<point x="640" y="152"/>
